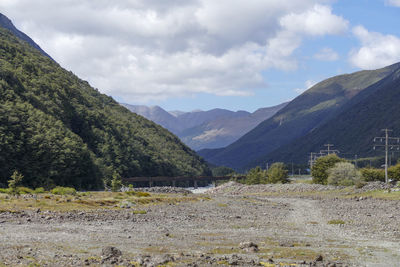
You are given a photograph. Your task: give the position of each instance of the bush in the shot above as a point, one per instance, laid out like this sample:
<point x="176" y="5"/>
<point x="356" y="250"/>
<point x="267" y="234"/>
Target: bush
<point x="277" y="174"/>
<point x="343" y="173"/>
<point x="372" y="174"/>
<point x="59" y="190"/>
<point x="5" y="190"/>
<point x="222" y="171"/>
<point x="256" y="176"/>
<point x="39" y="190"/>
<point x="24" y="190"/>
<point x="394" y="172"/>
<point x="13" y="183"/>
<point x="116" y="182"/>
<point x="321" y="165"/>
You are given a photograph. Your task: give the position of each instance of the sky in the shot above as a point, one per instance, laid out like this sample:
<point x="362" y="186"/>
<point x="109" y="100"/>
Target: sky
<point x="203" y="54"/>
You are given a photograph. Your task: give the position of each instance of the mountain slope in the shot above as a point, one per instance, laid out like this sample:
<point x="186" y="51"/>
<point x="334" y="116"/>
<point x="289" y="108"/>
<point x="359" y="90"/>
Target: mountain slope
<point x="206" y="129"/>
<point x="353" y="130"/>
<point x="157" y="115"/>
<point x="56" y="129"/>
<point x="223" y="131"/>
<point x="7" y="24"/>
<point x="306" y="112"/>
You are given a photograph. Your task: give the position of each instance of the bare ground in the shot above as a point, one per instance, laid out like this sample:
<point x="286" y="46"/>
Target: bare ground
<point x="286" y="229"/>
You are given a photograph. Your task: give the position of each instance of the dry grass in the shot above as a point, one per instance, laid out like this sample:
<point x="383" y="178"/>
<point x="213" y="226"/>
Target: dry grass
<point x="86" y="201"/>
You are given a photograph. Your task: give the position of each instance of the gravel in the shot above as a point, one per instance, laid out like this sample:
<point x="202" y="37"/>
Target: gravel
<point x="232" y="225"/>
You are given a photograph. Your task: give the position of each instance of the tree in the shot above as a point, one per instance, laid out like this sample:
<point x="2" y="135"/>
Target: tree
<point x="277" y="173"/>
<point x="320" y="167"/>
<point x="394" y="172"/>
<point x="13" y="183"/>
<point x="116" y="182"/>
<point x="256" y="176"/>
<point x="372" y="174"/>
<point x="343" y="173"/>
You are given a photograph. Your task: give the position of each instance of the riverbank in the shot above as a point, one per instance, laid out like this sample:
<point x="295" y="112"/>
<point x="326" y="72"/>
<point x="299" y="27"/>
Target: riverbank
<point x="229" y="225"/>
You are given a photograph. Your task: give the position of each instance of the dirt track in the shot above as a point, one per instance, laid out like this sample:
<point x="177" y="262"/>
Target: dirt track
<point x="292" y="230"/>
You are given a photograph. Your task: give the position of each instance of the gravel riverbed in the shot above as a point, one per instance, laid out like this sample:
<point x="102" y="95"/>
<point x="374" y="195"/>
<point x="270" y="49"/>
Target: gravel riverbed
<point x="229" y="225"/>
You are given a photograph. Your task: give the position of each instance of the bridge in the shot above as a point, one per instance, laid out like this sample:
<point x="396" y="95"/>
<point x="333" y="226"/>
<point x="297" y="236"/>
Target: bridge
<point x="184" y="181"/>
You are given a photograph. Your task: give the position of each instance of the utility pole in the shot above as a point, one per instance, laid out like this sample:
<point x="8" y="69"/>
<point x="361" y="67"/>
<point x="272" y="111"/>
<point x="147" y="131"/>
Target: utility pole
<point x="386" y="145"/>
<point x="329" y="151"/>
<point x="355" y="160"/>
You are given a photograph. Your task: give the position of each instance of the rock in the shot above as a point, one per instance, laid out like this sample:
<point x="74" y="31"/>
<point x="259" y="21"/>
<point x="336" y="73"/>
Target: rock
<point x="111" y="252"/>
<point x="319" y="258"/>
<point x="249" y="246"/>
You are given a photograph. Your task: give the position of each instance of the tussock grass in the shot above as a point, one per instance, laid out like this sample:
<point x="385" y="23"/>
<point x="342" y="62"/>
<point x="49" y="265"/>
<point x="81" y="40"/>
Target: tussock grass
<point x="87" y="201"/>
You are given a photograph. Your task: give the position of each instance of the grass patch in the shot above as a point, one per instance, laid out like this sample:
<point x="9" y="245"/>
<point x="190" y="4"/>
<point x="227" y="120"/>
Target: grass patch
<point x="336" y="222"/>
<point x="59" y="190"/>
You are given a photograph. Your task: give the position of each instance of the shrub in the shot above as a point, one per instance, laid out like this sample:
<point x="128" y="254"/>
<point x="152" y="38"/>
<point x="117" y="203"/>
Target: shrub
<point x="137" y="193"/>
<point x="277" y="174"/>
<point x="343" y="173"/>
<point x="116" y="182"/>
<point x="13" y="183"/>
<point x="39" y="190"/>
<point x="5" y="190"/>
<point x="222" y="171"/>
<point x="256" y="176"/>
<point x="394" y="172"/>
<point x="321" y="165"/>
<point x="24" y="190"/>
<point x="372" y="174"/>
<point x="59" y="190"/>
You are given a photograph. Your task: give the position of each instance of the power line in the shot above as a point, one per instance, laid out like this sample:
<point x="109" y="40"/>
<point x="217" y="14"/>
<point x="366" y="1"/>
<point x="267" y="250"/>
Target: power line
<point x="387" y="146"/>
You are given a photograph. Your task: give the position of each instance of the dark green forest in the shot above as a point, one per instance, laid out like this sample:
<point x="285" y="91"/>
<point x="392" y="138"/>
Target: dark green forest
<point x="55" y="129"/>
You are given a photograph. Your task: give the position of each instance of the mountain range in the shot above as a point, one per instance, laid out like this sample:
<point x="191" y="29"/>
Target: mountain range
<point x="310" y="120"/>
<point x="55" y="129"/>
<point x="206" y="129"/>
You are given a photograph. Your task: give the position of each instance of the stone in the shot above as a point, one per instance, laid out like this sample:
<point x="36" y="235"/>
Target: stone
<point x="110" y="252"/>
<point x="319" y="258"/>
<point x="249" y="246"/>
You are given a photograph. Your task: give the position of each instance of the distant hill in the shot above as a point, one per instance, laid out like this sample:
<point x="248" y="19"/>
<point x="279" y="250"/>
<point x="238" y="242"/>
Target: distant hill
<point x="206" y="129"/>
<point x="57" y="130"/>
<point x="7" y="24"/>
<point x="353" y="129"/>
<point x="223" y="131"/>
<point x="304" y="114"/>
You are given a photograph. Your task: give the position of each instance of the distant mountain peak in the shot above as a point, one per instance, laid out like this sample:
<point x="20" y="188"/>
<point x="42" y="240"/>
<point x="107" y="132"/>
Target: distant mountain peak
<point x="6" y="23"/>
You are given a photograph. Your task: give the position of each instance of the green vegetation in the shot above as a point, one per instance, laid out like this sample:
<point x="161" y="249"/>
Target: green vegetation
<point x="309" y="112"/>
<point x="59" y="190"/>
<point x="116" y="182"/>
<point x="222" y="171"/>
<point x="277" y="173"/>
<point x="320" y="168"/>
<point x="13" y="183"/>
<point x="57" y="130"/>
<point x="256" y="176"/>
<point x="394" y="172"/>
<point x="343" y="173"/>
<point x="372" y="174"/>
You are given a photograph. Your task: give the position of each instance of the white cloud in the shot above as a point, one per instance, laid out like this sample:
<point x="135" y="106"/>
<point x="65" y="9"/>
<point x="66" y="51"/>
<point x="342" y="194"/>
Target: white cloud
<point x="146" y="50"/>
<point x="327" y="54"/>
<point x="316" y="21"/>
<point x="393" y="3"/>
<point x="377" y="50"/>
<point x="307" y="85"/>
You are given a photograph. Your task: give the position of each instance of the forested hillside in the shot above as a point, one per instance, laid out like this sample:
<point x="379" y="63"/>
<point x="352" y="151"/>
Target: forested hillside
<point x="352" y="131"/>
<point x="56" y="129"/>
<point x="305" y="113"/>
